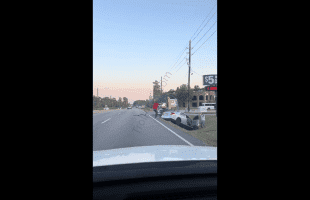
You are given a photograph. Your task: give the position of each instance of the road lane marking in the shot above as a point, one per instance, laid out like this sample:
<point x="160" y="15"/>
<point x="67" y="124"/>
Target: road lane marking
<point x="174" y="132"/>
<point x="106" y="120"/>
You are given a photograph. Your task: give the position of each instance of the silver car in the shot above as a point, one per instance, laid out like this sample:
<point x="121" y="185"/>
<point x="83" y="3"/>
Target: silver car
<point x="167" y="115"/>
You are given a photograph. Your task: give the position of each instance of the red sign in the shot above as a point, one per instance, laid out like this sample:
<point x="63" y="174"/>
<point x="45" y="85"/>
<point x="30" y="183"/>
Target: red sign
<point x="212" y="88"/>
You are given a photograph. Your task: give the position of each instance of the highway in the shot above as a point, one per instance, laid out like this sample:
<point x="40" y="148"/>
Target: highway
<point x="134" y="127"/>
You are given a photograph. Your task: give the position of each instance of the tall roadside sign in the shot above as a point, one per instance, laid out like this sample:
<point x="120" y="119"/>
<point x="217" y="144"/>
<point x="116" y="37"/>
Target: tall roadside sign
<point x="211" y="82"/>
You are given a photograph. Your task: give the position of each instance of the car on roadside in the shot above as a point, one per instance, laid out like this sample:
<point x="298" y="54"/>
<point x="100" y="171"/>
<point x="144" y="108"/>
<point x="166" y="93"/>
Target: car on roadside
<point x="167" y="115"/>
<point x="129" y="107"/>
<point x="182" y="119"/>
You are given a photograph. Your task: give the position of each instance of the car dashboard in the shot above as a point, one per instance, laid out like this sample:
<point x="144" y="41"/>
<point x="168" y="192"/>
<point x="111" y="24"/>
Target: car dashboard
<point x="160" y="180"/>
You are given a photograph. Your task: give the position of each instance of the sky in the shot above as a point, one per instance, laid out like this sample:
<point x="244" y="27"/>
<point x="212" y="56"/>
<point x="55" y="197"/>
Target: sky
<point x="136" y="42"/>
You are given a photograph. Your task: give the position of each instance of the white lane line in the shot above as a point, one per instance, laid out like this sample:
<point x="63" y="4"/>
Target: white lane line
<point x="174" y="132"/>
<point x="106" y="120"/>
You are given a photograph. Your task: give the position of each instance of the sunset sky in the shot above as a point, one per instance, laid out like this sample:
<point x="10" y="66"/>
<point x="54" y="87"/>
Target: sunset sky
<point x="135" y="42"/>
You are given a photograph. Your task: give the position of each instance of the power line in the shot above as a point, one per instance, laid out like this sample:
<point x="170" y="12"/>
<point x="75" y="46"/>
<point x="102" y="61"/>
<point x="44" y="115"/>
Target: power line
<point x="180" y="67"/>
<point x="194" y="71"/>
<point x="204" y="26"/>
<point x="204" y="42"/>
<point x="193" y="40"/>
<point x="185" y="75"/>
<point x="194" y="34"/>
<point x="203" y="22"/>
<point x="179" y="63"/>
<point x="178" y="58"/>
<point x="206" y="32"/>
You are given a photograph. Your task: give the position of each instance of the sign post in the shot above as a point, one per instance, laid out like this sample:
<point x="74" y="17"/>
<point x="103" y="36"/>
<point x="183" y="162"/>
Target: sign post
<point x="211" y="82"/>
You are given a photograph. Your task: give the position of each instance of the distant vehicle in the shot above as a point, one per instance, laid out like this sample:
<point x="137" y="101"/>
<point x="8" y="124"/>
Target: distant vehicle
<point x="106" y="108"/>
<point x="129" y="107"/>
<point x="206" y="106"/>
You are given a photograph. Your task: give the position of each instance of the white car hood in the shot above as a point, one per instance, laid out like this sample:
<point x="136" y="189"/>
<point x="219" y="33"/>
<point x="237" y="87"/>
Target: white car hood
<point x="156" y="153"/>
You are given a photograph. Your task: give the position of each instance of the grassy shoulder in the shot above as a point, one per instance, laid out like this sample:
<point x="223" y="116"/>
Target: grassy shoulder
<point x="208" y="134"/>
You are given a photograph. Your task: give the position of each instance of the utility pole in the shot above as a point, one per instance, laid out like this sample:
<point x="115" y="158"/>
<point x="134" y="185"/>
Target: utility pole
<point x="189" y="73"/>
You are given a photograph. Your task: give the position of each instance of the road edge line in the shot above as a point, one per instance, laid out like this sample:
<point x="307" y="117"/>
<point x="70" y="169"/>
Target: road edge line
<point x="173" y="132"/>
<point x="106" y="120"/>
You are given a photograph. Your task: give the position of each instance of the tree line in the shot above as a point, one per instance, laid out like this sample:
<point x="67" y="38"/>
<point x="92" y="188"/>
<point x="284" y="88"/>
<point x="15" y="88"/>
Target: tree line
<point x="181" y="94"/>
<point x="99" y="103"/>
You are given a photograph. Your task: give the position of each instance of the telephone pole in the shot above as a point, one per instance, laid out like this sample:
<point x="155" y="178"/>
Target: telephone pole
<point x="189" y="73"/>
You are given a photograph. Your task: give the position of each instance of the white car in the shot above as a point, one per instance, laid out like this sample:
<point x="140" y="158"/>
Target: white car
<point x="167" y="115"/>
<point x="129" y="107"/>
<point x="181" y="118"/>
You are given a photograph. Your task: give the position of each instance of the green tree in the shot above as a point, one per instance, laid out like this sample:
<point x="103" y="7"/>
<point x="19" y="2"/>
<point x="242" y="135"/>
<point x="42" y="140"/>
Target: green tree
<point x="125" y="101"/>
<point x="182" y="94"/>
<point x="119" y="102"/>
<point x="156" y="90"/>
<point x="197" y="88"/>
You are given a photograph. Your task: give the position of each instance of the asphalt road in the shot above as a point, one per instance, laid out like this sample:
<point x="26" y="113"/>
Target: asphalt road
<point x="134" y="127"/>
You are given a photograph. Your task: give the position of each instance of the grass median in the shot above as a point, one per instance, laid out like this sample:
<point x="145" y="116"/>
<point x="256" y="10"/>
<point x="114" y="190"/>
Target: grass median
<point x="208" y="134"/>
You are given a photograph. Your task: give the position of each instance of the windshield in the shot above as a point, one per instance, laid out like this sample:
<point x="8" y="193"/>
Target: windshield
<point x="154" y="67"/>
